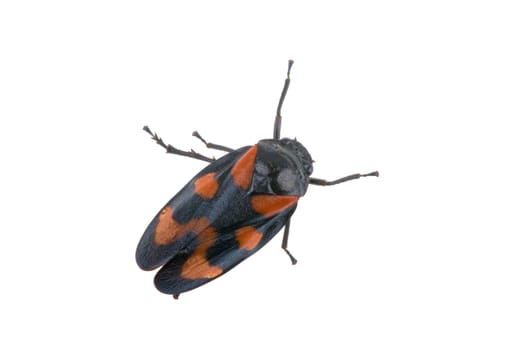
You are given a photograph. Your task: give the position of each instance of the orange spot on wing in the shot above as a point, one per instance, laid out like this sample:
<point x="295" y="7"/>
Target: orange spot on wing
<point x="206" y="186"/>
<point x="248" y="237"/>
<point x="197" y="265"/>
<point x="268" y="205"/>
<point x="242" y="171"/>
<point x="168" y="229"/>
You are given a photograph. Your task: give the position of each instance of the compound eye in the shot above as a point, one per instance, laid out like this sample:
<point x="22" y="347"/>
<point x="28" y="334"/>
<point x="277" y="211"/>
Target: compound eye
<point x="284" y="182"/>
<point x="309" y="169"/>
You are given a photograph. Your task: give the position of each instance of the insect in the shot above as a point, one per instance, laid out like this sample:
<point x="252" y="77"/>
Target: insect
<point x="229" y="210"/>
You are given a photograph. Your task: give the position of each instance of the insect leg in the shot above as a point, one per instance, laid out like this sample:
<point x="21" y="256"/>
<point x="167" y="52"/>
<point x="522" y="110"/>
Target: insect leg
<point x="277" y="123"/>
<point x="212" y="145"/>
<point x="170" y="149"/>
<point x="321" y="182"/>
<point x="284" y="245"/>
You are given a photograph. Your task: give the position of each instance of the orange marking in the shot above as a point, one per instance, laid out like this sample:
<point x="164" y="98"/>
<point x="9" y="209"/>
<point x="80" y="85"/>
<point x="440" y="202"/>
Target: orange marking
<point x="197" y="265"/>
<point x="268" y="205"/>
<point x="248" y="237"/>
<point x="206" y="186"/>
<point x="242" y="171"/>
<point x="168" y="230"/>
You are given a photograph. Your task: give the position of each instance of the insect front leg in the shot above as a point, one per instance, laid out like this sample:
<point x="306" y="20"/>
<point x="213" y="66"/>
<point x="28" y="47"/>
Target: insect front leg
<point x="170" y="149"/>
<point x="284" y="245"/>
<point x="212" y="145"/>
<point x="278" y="117"/>
<point x="321" y="182"/>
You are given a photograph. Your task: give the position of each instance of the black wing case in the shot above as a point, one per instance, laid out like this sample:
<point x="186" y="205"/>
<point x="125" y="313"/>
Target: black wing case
<point x="212" y="224"/>
<point x="187" y="214"/>
<point x="214" y="254"/>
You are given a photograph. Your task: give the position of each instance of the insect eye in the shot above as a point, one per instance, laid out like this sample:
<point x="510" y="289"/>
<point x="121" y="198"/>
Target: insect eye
<point x="284" y="181"/>
<point x="309" y="169"/>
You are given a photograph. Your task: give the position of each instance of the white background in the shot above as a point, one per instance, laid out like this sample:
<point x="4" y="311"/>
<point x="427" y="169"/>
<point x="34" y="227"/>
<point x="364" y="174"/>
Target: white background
<point x="428" y="256"/>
